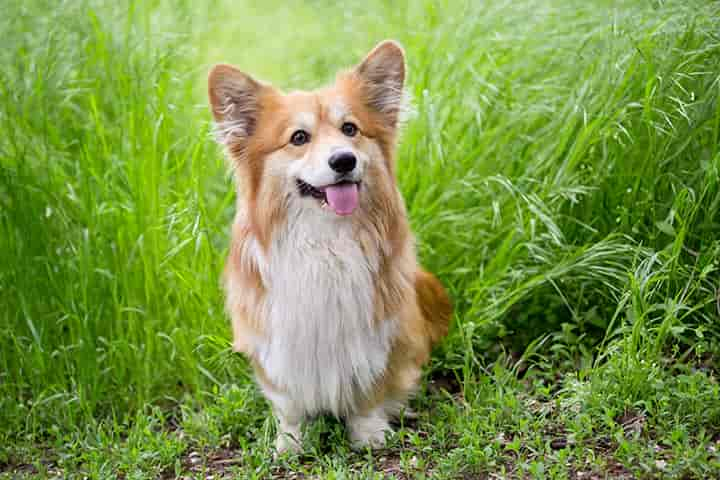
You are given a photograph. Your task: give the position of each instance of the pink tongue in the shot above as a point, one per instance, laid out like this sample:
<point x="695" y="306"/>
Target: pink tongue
<point x="342" y="198"/>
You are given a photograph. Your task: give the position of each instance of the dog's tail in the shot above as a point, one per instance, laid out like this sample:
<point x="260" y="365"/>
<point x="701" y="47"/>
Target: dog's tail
<point x="434" y="304"/>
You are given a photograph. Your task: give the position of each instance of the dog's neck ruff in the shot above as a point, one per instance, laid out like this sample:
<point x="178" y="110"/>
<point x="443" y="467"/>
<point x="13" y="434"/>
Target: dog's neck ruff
<point x="322" y="346"/>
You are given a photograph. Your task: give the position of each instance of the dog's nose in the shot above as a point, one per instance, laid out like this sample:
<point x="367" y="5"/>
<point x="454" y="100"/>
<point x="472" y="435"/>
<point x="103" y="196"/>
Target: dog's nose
<point x="342" y="162"/>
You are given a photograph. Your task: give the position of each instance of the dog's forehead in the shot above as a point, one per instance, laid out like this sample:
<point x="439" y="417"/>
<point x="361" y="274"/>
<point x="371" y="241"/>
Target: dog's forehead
<point x="302" y="109"/>
<point x="336" y="109"/>
<point x="309" y="108"/>
<point x="334" y="105"/>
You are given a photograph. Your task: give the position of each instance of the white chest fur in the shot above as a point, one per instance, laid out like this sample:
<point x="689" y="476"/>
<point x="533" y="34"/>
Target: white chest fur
<point x="322" y="344"/>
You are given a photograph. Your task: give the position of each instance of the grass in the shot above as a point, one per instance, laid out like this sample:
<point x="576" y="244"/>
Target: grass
<point x="561" y="171"/>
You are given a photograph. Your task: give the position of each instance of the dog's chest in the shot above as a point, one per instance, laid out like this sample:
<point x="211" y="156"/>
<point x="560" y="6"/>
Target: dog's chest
<point x="323" y="346"/>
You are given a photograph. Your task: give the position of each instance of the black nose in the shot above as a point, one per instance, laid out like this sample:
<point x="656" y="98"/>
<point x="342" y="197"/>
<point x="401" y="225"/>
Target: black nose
<point x="342" y="162"/>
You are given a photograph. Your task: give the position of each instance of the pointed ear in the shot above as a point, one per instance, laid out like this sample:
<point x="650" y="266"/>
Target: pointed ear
<point x="383" y="76"/>
<point x="234" y="100"/>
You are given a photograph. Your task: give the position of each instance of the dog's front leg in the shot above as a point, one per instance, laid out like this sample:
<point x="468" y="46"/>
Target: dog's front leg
<point x="289" y="433"/>
<point x="289" y="421"/>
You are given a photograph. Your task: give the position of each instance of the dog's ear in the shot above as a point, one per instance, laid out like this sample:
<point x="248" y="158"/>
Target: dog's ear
<point x="234" y="100"/>
<point x="382" y="74"/>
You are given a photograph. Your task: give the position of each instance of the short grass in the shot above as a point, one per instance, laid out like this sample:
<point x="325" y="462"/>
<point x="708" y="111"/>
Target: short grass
<point x="561" y="171"/>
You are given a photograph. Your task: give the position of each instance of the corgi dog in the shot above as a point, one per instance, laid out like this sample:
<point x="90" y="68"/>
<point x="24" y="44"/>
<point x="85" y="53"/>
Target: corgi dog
<point x="324" y="291"/>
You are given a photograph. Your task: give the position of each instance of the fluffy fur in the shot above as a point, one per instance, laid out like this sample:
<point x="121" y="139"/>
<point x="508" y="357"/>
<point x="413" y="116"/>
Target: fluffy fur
<point x="333" y="311"/>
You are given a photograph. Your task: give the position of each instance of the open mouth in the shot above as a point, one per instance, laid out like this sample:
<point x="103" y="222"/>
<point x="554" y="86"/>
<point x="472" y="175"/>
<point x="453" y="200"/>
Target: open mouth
<point x="341" y="197"/>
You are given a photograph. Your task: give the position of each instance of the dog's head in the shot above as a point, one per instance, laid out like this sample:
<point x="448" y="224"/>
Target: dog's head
<point x="330" y="149"/>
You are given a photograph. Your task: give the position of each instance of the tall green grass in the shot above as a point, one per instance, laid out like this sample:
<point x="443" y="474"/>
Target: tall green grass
<point x="561" y="172"/>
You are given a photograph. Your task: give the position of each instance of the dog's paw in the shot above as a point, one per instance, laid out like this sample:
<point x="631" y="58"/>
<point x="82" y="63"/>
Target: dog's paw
<point x="286" y="443"/>
<point x="374" y="440"/>
<point x="368" y="431"/>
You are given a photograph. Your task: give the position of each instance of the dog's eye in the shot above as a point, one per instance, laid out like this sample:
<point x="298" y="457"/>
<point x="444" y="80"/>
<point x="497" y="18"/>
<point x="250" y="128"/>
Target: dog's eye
<point x="299" y="137"/>
<point x="349" y="129"/>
